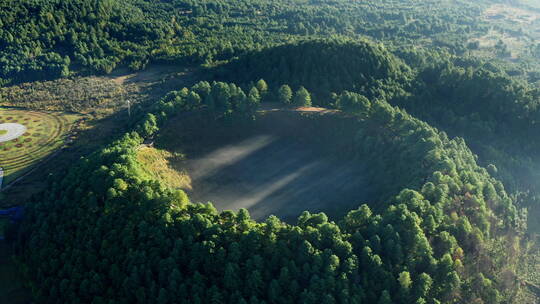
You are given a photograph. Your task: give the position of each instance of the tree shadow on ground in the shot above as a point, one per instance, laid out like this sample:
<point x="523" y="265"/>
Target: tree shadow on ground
<point x="271" y="175"/>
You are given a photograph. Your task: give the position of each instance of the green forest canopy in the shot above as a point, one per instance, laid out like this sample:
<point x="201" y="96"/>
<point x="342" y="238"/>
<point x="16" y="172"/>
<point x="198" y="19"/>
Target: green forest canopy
<point x="155" y="245"/>
<point x="469" y="98"/>
<point x="45" y="39"/>
<point x="448" y="235"/>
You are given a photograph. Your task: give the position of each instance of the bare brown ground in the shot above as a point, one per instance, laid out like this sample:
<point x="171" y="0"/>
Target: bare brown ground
<point x="270" y="169"/>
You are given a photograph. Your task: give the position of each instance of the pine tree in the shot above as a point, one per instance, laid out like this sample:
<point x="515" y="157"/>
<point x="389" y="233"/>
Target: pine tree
<point x="285" y="94"/>
<point x="254" y="97"/>
<point x="302" y="98"/>
<point x="262" y="87"/>
<point x="193" y="100"/>
<point x="353" y="103"/>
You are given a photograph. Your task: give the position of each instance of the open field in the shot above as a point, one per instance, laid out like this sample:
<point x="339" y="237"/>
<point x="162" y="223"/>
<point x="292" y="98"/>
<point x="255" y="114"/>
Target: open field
<point x="44" y="133"/>
<point x="515" y="45"/>
<point x="97" y="95"/>
<point x="79" y="94"/>
<point x="516" y="27"/>
<point x="513" y="14"/>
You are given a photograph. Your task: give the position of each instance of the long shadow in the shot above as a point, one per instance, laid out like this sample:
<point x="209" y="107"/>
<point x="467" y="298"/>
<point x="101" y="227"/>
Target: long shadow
<point x="277" y="176"/>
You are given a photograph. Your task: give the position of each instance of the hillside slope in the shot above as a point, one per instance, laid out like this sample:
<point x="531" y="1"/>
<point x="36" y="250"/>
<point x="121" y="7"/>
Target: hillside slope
<point x="445" y="240"/>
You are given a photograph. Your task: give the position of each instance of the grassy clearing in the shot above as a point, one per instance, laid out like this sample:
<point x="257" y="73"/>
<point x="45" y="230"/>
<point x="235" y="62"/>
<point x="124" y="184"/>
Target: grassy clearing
<point x="164" y="166"/>
<point x="81" y="94"/>
<point x="97" y="95"/>
<point x="46" y="132"/>
<point x="510" y="13"/>
<point x="516" y="46"/>
<point x="516" y="27"/>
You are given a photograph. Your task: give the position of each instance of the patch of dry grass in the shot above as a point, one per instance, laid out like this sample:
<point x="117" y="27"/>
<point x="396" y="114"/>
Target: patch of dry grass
<point x="76" y="95"/>
<point x="164" y="166"/>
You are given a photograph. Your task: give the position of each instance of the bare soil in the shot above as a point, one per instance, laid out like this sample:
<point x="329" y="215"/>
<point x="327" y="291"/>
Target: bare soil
<point x="271" y="175"/>
<point x="267" y="170"/>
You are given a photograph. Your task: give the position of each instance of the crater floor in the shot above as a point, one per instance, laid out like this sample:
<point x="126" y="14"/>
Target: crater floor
<point x="270" y="175"/>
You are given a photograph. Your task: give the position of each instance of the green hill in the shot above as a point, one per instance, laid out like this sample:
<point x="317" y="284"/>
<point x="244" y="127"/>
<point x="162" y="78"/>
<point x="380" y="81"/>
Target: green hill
<point x="322" y="66"/>
<point x="121" y="236"/>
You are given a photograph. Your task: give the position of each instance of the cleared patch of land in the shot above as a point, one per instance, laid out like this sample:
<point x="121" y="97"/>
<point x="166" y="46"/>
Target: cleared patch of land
<point x="266" y="172"/>
<point x="164" y="166"/>
<point x="512" y="47"/>
<point x="80" y="94"/>
<point x="513" y="34"/>
<point x="97" y="95"/>
<point x="45" y="133"/>
<point x="271" y="175"/>
<point x="514" y="14"/>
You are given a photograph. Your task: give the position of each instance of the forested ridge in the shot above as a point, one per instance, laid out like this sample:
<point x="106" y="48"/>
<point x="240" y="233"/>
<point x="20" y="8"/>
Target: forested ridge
<point x="44" y="39"/>
<point x="323" y="67"/>
<point x="498" y="116"/>
<point x="449" y="139"/>
<point x="466" y="97"/>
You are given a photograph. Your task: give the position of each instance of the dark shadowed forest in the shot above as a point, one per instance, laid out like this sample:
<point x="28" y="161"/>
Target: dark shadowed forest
<point x="249" y="151"/>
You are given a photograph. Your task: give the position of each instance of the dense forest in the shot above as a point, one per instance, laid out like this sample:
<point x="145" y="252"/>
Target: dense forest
<point x="469" y="98"/>
<point x="481" y="103"/>
<point x="46" y="39"/>
<point x="447" y="126"/>
<point x="321" y="66"/>
<point x="422" y="246"/>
